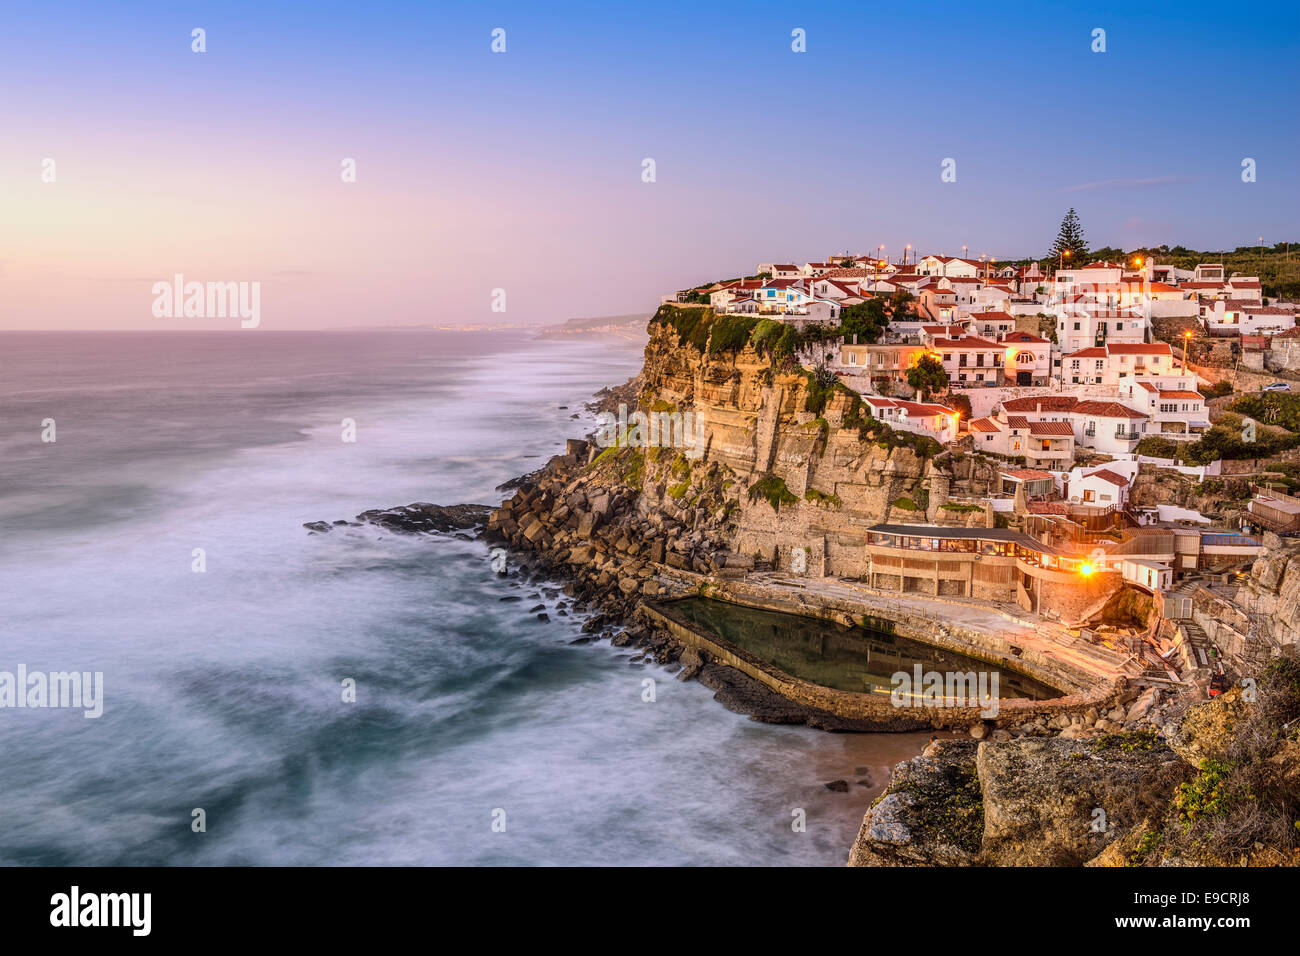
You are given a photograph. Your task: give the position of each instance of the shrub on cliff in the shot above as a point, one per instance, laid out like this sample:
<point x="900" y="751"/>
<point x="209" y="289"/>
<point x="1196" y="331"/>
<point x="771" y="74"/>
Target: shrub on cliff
<point x="774" y="490"/>
<point x="1271" y="408"/>
<point x="1244" y="802"/>
<point x="692" y="325"/>
<point x="731" y="333"/>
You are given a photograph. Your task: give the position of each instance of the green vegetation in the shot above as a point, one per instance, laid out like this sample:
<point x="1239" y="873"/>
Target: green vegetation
<point x="905" y="503"/>
<point x="822" y="384"/>
<point x="821" y="498"/>
<point x="1070" y="240"/>
<point x="927" y="376"/>
<point x="1225" y="440"/>
<point x="692" y="325"/>
<point x="678" y="492"/>
<point x="959" y="402"/>
<point x="1154" y="446"/>
<point x="1218" y="390"/>
<point x="1212" y="793"/>
<point x="867" y="320"/>
<point x="1242" y="799"/>
<point x="1270" y="408"/>
<point x="1128" y="741"/>
<point x="731" y="333"/>
<point x="959" y="508"/>
<point x="954" y="809"/>
<point x="774" y="490"/>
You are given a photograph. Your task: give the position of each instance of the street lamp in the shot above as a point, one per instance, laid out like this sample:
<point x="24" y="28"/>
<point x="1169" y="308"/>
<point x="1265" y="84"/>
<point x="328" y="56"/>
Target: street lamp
<point x="1186" y="336"/>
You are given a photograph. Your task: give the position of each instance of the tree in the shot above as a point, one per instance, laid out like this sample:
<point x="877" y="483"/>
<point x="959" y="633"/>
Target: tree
<point x="927" y="376"/>
<point x="961" y="403"/>
<point x="866" y="320"/>
<point x="900" y="305"/>
<point x="1070" y="239"/>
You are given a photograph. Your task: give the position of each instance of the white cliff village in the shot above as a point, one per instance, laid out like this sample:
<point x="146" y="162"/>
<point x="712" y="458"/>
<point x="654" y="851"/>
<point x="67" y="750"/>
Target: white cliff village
<point x="1078" y="380"/>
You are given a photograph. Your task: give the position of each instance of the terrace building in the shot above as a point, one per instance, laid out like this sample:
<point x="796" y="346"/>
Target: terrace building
<point x="993" y="564"/>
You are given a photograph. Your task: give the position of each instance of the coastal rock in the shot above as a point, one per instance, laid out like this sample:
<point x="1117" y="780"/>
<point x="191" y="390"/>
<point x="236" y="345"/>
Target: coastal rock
<point x="929" y="815"/>
<point x="1204" y="730"/>
<point x="1057" y="802"/>
<point x="424" y="518"/>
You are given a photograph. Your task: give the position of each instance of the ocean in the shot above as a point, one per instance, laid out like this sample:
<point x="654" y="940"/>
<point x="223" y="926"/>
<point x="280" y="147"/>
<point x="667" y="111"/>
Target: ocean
<point x="159" y="540"/>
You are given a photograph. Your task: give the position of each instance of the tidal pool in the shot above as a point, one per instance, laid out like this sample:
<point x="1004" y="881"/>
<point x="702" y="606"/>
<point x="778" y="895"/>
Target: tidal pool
<point x="855" y="659"/>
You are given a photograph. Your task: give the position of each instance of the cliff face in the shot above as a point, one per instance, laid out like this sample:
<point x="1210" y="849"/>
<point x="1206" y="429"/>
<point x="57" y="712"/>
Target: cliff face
<point x="1271" y="593"/>
<point x="1218" y="787"/>
<point x="824" y="482"/>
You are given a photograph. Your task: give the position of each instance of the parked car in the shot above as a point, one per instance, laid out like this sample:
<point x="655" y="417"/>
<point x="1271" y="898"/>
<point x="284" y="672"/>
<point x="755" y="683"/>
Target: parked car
<point x="1276" y="387"/>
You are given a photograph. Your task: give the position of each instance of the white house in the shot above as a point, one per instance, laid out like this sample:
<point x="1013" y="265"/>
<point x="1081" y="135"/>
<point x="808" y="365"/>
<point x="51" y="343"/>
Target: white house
<point x="1244" y="317"/>
<point x="923" y="418"/>
<point x="992" y="324"/>
<point x="1107" y="427"/>
<point x="1173" y="406"/>
<point x="948" y="266"/>
<point x="1111" y="364"/>
<point x="971" y="361"/>
<point x="1043" y="444"/>
<point x="1028" y="359"/>
<point x="1099" y="487"/>
<point x="1080" y="324"/>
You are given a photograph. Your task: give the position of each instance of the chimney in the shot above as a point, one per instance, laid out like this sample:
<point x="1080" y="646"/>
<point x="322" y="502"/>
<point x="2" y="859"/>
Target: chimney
<point x="1038" y="407"/>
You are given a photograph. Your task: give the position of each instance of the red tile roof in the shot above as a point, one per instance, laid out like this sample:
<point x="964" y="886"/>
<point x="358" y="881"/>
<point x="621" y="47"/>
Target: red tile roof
<point x="1107" y="410"/>
<point x="1060" y="429"/>
<point x="1045" y="403"/>
<point x="969" y="342"/>
<point x="1107" y="475"/>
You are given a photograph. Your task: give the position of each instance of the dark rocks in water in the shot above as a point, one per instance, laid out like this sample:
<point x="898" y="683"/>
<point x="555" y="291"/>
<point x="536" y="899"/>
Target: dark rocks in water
<point x="581" y="640"/>
<point x="837" y="786"/>
<point x="538" y="607"/>
<point x="321" y="526"/>
<point x="742" y="694"/>
<point x="342" y="522"/>
<point x="543" y="618"/>
<point x="423" y="517"/>
<point x="521" y="480"/>
<point x="510" y="597"/>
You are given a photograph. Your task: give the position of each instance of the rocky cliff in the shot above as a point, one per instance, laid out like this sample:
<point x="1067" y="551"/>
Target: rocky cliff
<point x="1270" y="594"/>
<point x="1220" y="785"/>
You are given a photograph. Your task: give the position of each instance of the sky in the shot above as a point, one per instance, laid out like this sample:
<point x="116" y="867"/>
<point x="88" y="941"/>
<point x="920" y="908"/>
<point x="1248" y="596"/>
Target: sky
<point x="522" y="171"/>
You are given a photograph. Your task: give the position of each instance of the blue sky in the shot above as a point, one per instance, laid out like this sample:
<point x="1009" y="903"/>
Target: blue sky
<point x="522" y="170"/>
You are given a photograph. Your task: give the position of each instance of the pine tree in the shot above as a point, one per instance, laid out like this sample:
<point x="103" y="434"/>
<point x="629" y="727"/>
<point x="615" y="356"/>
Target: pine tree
<point x="1070" y="239"/>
